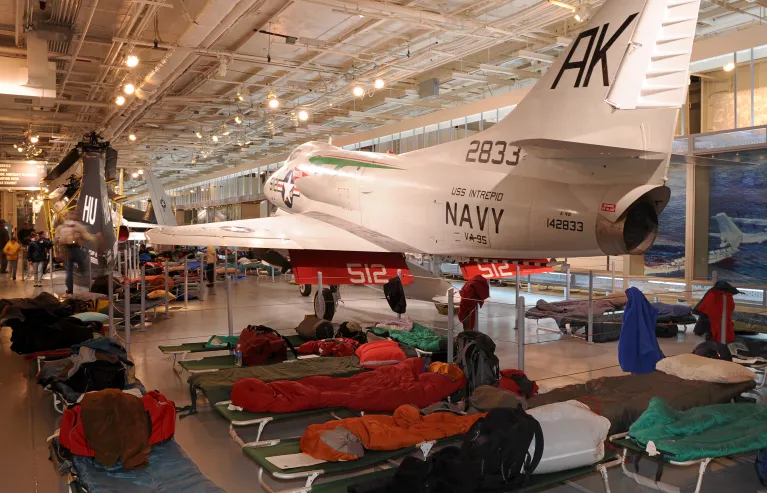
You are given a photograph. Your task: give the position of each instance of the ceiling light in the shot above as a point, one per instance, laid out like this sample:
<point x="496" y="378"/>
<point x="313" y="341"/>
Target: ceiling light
<point x="358" y="91"/>
<point x="20" y="149"/>
<point x="729" y="67"/>
<point x="379" y="84"/>
<point x="237" y="119"/>
<point x="215" y="138"/>
<point x="119" y="100"/>
<point x="131" y="61"/>
<point x="582" y="13"/>
<point x="15" y="146"/>
<point x="239" y="96"/>
<point x="562" y="4"/>
<point x="222" y="67"/>
<point x="303" y="115"/>
<point x="141" y="171"/>
<point x="134" y="175"/>
<point x="34" y="139"/>
<point x="132" y="137"/>
<point x="225" y="132"/>
<point x="129" y="88"/>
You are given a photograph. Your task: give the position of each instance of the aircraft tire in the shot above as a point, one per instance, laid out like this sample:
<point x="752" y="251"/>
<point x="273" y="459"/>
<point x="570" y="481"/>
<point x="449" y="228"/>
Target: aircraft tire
<point x="305" y="289"/>
<point x="324" y="305"/>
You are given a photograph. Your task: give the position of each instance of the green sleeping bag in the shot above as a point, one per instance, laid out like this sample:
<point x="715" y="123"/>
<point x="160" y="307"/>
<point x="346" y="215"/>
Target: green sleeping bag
<point x="419" y="337"/>
<point x="708" y="431"/>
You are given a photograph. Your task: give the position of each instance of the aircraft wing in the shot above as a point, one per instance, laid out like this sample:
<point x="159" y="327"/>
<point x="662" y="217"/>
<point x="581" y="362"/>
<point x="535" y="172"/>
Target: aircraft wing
<point x="288" y="232"/>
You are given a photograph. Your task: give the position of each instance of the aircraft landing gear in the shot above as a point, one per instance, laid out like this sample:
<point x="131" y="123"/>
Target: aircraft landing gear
<point x="326" y="302"/>
<point x="305" y="289"/>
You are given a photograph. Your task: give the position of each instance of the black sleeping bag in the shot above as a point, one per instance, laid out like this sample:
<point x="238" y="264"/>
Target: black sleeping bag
<point x="39" y="333"/>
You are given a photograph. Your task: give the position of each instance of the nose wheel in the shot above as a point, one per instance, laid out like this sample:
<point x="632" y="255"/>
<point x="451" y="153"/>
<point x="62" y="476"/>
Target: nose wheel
<point x="305" y="289"/>
<point x="326" y="302"/>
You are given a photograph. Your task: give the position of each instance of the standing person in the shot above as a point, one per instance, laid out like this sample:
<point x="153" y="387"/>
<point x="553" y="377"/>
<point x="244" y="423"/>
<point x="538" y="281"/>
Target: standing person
<point x="210" y="260"/>
<point x="37" y="252"/>
<point x="11" y="251"/>
<point x="44" y="236"/>
<point x="4" y="237"/>
<point x="71" y="236"/>
<point x="25" y="238"/>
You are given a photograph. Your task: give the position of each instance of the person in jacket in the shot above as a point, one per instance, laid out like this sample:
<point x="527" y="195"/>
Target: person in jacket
<point x="4" y="237"/>
<point x="25" y="238"/>
<point x="71" y="236"/>
<point x="37" y="252"/>
<point x="210" y="260"/>
<point x="11" y="251"/>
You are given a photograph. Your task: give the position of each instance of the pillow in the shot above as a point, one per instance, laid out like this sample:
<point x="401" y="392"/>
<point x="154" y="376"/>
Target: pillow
<point x="380" y="353"/>
<point x="451" y="371"/>
<point x="92" y="317"/>
<point x="694" y="367"/>
<point x="160" y="293"/>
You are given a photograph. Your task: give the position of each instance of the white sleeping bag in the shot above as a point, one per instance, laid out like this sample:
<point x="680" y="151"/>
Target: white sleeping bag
<point x="573" y="436"/>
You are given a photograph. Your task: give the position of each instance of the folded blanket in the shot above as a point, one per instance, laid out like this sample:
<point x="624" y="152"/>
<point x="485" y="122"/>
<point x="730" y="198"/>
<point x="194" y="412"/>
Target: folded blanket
<point x="419" y="337"/>
<point x="222" y="342"/>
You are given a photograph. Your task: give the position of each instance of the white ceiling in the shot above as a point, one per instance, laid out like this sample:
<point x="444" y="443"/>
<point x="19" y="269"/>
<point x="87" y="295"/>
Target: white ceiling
<point x="338" y="44"/>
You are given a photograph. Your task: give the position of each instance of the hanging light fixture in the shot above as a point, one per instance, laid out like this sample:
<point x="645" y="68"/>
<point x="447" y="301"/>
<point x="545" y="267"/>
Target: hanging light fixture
<point x="303" y="115"/>
<point x="240" y="97"/>
<point x="134" y="175"/>
<point x="198" y="134"/>
<point x="129" y="88"/>
<point x="272" y="100"/>
<point x="141" y="171"/>
<point x="237" y="119"/>
<point x="215" y="138"/>
<point x="582" y="13"/>
<point x="20" y="149"/>
<point x="358" y="91"/>
<point x="379" y="84"/>
<point x="131" y="61"/>
<point x="120" y="100"/>
<point x="34" y="139"/>
<point x="132" y="137"/>
<point x="729" y="67"/>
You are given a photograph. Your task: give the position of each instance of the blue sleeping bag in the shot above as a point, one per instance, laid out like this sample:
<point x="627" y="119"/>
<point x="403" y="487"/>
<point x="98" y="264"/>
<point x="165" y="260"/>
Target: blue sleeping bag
<point x="169" y="469"/>
<point x="638" y="349"/>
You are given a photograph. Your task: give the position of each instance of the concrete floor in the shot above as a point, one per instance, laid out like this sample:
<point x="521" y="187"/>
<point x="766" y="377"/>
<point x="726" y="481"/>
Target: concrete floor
<point x="552" y="360"/>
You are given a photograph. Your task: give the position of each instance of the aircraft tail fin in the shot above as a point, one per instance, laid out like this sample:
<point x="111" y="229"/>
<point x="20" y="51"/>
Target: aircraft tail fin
<point x="93" y="206"/>
<point x="728" y="231"/>
<point x="620" y="83"/>
<point x="163" y="212"/>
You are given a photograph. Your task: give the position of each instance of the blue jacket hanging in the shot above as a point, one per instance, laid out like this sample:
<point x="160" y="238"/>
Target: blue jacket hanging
<point x="638" y="349"/>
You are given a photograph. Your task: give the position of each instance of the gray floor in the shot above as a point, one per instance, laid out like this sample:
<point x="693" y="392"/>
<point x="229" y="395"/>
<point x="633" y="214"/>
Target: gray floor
<point x="28" y="417"/>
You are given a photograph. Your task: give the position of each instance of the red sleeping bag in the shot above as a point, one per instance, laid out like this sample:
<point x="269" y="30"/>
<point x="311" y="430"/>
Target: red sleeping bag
<point x="161" y="411"/>
<point x="381" y="390"/>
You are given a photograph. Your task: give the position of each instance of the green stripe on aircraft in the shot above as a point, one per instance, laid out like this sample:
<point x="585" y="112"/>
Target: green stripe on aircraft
<point x="344" y="163"/>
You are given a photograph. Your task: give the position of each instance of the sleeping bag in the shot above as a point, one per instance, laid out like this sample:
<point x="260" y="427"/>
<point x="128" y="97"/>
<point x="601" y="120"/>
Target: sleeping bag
<point x="381" y="390"/>
<point x="638" y="348"/>
<point x="347" y="439"/>
<point x="419" y="337"/>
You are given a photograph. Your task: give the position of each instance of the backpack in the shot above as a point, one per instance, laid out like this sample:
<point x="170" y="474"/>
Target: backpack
<point x="260" y="345"/>
<point x="496" y="450"/>
<point x="475" y="355"/>
<point x="761" y="466"/>
<point x="98" y="375"/>
<point x="516" y="381"/>
<point x="162" y="415"/>
<point x="713" y="350"/>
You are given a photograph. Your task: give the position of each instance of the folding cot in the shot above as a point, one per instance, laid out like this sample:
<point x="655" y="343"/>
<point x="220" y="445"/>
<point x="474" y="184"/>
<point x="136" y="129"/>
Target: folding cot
<point x="169" y="469"/>
<point x="269" y="459"/>
<point x="180" y="352"/>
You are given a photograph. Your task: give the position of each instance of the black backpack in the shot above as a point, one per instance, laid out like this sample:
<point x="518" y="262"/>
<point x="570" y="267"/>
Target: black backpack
<point x="713" y="350"/>
<point x="495" y="452"/>
<point x="98" y="375"/>
<point x="475" y="355"/>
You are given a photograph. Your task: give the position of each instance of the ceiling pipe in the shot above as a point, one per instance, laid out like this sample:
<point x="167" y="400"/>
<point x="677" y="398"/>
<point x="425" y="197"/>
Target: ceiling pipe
<point x="78" y="48"/>
<point x="19" y="18"/>
<point x="215" y="18"/>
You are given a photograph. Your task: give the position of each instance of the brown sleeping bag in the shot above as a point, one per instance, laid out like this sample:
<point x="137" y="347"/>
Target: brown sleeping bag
<point x="623" y="399"/>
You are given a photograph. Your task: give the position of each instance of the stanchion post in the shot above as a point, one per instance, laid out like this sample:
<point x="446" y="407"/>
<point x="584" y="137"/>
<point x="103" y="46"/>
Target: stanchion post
<point x="450" y="323"/>
<point x="111" y="294"/>
<point x="50" y="261"/>
<point x="186" y="283"/>
<point x="521" y="334"/>
<point x="612" y="288"/>
<point x="90" y="272"/>
<point x="215" y="270"/>
<point x="591" y="307"/>
<point x="519" y="285"/>
<point x="201" y="290"/>
<point x="529" y="283"/>
<point x="142" y="316"/>
<point x="126" y="313"/>
<point x="229" y="312"/>
<point x="167" y="287"/>
<point x="272" y="273"/>
<point x="236" y="270"/>
<point x="567" y="281"/>
<point x="723" y="330"/>
<point x="319" y="284"/>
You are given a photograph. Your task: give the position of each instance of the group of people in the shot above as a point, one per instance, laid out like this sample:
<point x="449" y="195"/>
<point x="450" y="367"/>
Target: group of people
<point x="28" y="246"/>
